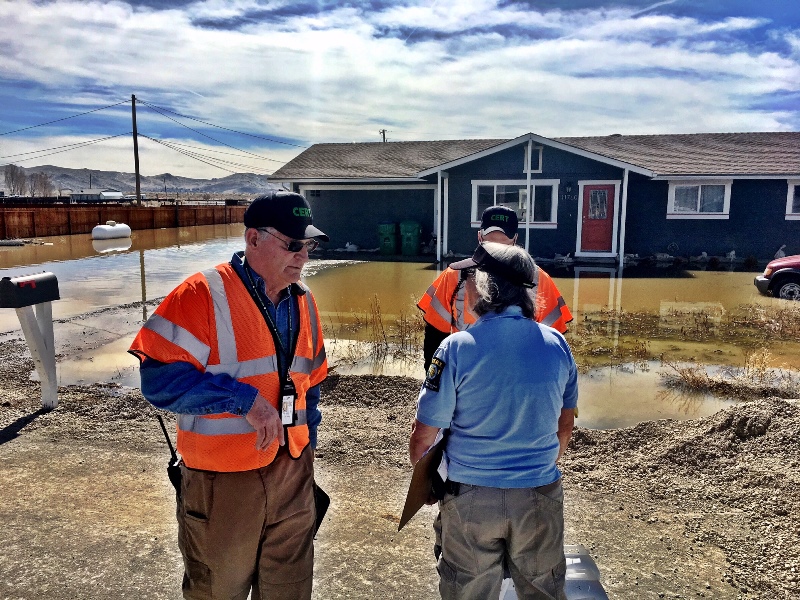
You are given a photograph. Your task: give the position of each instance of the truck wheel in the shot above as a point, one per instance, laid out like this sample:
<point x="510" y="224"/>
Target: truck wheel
<point x="788" y="289"/>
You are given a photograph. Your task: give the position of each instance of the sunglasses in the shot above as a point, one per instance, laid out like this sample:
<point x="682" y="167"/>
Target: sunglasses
<point x="294" y="245"/>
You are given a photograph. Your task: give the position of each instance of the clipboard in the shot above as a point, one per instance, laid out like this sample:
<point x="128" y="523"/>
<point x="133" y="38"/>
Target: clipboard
<point x="419" y="490"/>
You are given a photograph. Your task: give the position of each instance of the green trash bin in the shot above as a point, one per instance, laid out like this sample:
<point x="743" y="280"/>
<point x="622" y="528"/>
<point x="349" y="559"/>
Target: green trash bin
<point x="409" y="233"/>
<point x="387" y="236"/>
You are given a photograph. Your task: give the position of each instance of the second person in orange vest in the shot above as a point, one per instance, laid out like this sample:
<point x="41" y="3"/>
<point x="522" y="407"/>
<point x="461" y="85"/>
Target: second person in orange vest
<point x="447" y="304"/>
<point x="237" y="352"/>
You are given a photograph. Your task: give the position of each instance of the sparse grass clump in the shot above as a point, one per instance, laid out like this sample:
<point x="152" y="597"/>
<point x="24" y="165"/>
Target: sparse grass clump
<point x="375" y="337"/>
<point x="608" y="337"/>
<point x="755" y="379"/>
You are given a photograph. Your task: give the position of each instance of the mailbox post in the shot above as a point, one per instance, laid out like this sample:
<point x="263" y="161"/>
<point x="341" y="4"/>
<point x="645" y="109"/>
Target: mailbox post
<point x="23" y="293"/>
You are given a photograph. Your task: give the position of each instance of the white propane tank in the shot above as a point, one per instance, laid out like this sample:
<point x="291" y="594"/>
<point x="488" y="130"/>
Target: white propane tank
<point x="110" y="231"/>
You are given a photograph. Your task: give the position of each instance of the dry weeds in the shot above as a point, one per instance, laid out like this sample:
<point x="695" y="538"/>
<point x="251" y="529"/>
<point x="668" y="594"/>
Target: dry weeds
<point x="756" y="378"/>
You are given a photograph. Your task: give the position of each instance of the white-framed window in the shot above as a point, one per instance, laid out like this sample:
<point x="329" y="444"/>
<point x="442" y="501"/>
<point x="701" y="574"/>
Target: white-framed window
<point x="542" y="213"/>
<point x="699" y="199"/>
<point x="535" y="160"/>
<point x="793" y="201"/>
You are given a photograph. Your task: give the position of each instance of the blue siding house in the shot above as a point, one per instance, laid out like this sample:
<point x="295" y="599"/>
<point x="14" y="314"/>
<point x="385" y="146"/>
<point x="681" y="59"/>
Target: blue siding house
<point x="593" y="198"/>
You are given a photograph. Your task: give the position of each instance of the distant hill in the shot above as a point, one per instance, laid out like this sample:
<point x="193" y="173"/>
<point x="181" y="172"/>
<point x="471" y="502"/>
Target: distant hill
<point x="239" y="184"/>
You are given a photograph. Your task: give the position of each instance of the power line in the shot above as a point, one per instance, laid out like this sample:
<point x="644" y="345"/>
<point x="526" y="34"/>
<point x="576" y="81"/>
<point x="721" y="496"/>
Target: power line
<point x="192" y="155"/>
<point x="261" y="137"/>
<point x="65" y="118"/>
<point x="283" y="162"/>
<point x="198" y="132"/>
<point x="74" y="145"/>
<point x="196" y="156"/>
<point x="189" y="154"/>
<point x="79" y="145"/>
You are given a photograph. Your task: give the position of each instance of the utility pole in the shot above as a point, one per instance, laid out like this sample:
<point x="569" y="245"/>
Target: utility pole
<point x="383" y="134"/>
<point x="136" y="151"/>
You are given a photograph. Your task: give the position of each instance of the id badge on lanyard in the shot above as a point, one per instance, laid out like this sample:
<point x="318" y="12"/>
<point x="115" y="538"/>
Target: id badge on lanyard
<point x="288" y="397"/>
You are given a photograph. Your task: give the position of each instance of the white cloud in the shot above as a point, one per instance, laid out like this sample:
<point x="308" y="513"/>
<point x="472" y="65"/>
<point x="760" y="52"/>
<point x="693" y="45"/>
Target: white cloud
<point x="335" y="76"/>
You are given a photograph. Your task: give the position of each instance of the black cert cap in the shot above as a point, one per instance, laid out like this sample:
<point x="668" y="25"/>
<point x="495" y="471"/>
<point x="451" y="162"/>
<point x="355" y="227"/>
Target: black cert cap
<point x="499" y="218"/>
<point x="484" y="261"/>
<point x="287" y="212"/>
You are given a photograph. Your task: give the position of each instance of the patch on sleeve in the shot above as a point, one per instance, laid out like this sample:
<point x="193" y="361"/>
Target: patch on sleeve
<point x="434" y="375"/>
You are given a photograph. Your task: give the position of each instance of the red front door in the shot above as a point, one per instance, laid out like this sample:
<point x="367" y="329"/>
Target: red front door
<point x="597" y="225"/>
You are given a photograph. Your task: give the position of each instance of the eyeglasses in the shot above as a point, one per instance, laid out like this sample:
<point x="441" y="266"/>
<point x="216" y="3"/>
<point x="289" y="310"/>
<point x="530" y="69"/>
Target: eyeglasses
<point x="293" y="245"/>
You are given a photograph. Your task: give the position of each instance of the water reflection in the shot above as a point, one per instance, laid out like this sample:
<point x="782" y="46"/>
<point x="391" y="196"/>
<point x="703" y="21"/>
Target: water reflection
<point x="674" y="312"/>
<point x="90" y="279"/>
<point x="115" y="245"/>
<point x="623" y="396"/>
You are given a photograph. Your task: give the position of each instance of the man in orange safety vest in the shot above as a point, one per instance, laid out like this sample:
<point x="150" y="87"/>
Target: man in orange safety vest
<point x="237" y="353"/>
<point x="447" y="304"/>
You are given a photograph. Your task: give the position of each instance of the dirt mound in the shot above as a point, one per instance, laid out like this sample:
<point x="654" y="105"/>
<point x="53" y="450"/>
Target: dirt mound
<point x="738" y="468"/>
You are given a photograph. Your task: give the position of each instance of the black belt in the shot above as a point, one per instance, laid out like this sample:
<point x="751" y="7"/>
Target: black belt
<point x="454" y="487"/>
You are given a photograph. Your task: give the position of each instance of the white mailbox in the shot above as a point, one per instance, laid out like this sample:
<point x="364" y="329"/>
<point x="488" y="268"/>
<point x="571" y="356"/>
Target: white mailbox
<point x="23" y="293"/>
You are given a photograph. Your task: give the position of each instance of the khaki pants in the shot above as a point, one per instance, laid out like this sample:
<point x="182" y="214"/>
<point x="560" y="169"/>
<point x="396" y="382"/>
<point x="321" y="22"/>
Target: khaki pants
<point x="483" y="527"/>
<point x="246" y="531"/>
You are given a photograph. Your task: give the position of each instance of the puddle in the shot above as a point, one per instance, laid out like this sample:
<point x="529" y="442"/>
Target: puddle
<point x="614" y="397"/>
<point x="108" y="363"/>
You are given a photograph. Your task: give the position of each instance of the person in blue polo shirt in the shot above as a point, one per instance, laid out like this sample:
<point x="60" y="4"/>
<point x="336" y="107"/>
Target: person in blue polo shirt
<point x="506" y="392"/>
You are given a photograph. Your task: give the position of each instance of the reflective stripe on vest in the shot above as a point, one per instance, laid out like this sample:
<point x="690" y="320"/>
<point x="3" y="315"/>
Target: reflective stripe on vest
<point x="226" y="340"/>
<point x="225" y="426"/>
<point x="438" y="307"/>
<point x="319" y="357"/>
<point x="178" y="336"/>
<point x="247" y="368"/>
<point x="554" y="315"/>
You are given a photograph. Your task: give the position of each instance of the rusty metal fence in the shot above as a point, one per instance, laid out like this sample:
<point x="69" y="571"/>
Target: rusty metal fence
<point x="42" y="221"/>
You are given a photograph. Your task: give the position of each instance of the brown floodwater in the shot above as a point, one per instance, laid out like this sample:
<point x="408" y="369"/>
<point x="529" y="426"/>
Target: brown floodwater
<point x="681" y="314"/>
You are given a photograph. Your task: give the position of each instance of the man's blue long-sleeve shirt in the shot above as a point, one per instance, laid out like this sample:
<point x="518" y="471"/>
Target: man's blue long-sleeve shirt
<point x="179" y="387"/>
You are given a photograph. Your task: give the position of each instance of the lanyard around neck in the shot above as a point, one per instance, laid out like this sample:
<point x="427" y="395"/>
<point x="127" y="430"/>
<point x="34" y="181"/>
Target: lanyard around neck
<point x="270" y="323"/>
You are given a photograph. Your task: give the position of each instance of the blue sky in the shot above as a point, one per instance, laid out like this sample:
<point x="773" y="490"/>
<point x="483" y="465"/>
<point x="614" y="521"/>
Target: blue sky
<point x="291" y="74"/>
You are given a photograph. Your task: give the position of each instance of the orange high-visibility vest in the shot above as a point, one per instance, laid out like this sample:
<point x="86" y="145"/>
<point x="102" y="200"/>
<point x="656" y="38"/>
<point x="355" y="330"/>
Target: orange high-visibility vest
<point x="447" y="306"/>
<point x="211" y="321"/>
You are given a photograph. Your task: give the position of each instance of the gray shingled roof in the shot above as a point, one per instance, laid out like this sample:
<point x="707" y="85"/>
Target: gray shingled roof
<point x="740" y="154"/>
<point x="714" y="154"/>
<point x="376" y="160"/>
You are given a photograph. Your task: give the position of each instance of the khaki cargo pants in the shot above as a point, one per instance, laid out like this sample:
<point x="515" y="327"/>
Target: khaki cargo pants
<point x="483" y="528"/>
<point x="249" y="530"/>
